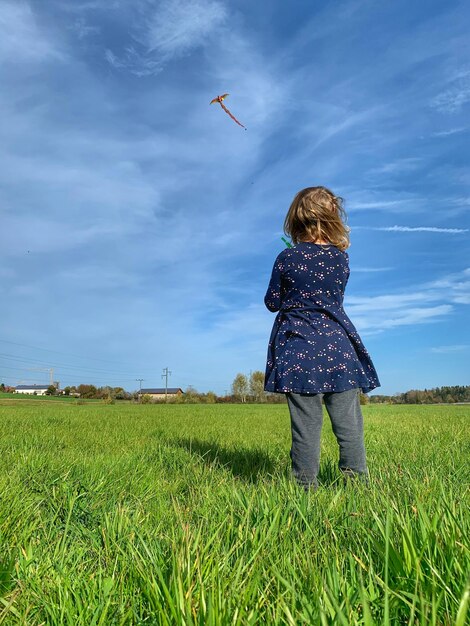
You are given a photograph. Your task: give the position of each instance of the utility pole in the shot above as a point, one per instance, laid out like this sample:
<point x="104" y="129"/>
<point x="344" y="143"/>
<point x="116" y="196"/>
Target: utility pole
<point x="166" y="373"/>
<point x="139" y="380"/>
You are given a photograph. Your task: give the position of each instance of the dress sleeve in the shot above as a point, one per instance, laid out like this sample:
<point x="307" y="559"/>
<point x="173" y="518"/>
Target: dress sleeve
<point x="272" y="299"/>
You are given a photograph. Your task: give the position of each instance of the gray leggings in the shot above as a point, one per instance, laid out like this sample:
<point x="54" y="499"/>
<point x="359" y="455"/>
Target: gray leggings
<point x="346" y="418"/>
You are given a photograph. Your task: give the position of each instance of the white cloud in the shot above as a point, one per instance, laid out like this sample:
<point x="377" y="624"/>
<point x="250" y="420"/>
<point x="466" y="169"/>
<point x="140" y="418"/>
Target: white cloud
<point x="372" y="269"/>
<point x="424" y="303"/>
<point x="174" y="28"/>
<point x="452" y="100"/>
<point x="138" y="63"/>
<point x="449" y="349"/>
<point x="79" y="6"/>
<point x="404" y="229"/>
<point x="450" y="131"/>
<point x="37" y="234"/>
<point x="344" y="122"/>
<point x="399" y="166"/>
<point x="371" y="325"/>
<point x="401" y="205"/>
<point x="83" y="29"/>
<point x="21" y="39"/>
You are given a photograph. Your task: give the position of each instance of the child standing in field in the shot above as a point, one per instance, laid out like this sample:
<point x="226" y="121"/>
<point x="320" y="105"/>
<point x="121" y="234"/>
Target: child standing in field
<point x="314" y="350"/>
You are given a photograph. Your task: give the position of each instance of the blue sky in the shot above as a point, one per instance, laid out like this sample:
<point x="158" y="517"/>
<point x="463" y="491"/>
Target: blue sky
<point x="139" y="225"/>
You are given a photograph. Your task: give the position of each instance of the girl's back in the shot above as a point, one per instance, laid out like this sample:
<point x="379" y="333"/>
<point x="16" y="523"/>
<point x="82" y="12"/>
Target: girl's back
<point x="309" y="273"/>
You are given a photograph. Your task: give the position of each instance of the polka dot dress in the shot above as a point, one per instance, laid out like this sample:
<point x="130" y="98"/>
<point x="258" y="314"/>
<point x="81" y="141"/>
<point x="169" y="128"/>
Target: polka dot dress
<point x="314" y="347"/>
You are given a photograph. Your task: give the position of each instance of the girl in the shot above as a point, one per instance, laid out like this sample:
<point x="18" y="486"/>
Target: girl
<point x="314" y="350"/>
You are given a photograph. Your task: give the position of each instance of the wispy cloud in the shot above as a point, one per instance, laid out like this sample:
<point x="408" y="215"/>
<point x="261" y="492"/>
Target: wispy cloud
<point x="452" y="100"/>
<point x="401" y="205"/>
<point x="174" y="28"/>
<point x="137" y="62"/>
<point x="83" y="29"/>
<point x="345" y="122"/>
<point x="22" y="40"/>
<point x="179" y="25"/>
<point x="432" y="301"/>
<point x="406" y="164"/>
<point x="405" y="229"/>
<point x="450" y="131"/>
<point x="373" y="269"/>
<point x="425" y="303"/>
<point x="449" y="349"/>
<point x="79" y="6"/>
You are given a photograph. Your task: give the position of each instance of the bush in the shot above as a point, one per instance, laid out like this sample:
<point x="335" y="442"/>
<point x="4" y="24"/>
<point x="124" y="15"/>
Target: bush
<point x="146" y="399"/>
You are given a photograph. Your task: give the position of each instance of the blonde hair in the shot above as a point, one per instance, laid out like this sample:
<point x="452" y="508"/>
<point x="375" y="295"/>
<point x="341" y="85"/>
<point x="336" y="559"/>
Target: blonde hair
<point x="317" y="214"/>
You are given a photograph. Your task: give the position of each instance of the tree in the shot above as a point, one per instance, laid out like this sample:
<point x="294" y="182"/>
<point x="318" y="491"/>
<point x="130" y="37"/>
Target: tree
<point x="211" y="397"/>
<point x="257" y="386"/>
<point x="121" y="394"/>
<point x="51" y="390"/>
<point x="87" y="391"/>
<point x="240" y="387"/>
<point x="191" y="396"/>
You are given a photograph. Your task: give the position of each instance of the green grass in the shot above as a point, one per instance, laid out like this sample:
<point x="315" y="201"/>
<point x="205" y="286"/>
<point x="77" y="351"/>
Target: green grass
<point x="186" y="514"/>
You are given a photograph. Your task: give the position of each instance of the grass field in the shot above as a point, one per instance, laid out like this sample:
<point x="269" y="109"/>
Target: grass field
<point x="4" y="397"/>
<point x="186" y="514"/>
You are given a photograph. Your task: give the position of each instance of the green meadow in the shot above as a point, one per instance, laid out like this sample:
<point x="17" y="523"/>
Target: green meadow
<point x="186" y="514"/>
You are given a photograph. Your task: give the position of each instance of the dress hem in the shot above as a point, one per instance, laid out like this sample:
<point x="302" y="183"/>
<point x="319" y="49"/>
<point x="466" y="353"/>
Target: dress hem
<point x="313" y="391"/>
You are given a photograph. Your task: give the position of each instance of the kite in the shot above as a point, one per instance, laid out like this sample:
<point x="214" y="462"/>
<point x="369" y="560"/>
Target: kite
<point x="288" y="243"/>
<point x="220" y="100"/>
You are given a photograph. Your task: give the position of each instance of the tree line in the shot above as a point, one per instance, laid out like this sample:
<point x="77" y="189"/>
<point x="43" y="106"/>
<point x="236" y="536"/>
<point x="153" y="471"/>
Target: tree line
<point x="250" y="389"/>
<point x="436" y="395"/>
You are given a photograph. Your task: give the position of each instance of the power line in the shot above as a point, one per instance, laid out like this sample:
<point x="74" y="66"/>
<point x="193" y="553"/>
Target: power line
<point x="78" y="356"/>
<point x="12" y="357"/>
<point x="68" y="375"/>
<point x="86" y="369"/>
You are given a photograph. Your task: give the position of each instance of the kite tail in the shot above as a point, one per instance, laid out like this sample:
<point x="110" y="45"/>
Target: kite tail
<point x="228" y="113"/>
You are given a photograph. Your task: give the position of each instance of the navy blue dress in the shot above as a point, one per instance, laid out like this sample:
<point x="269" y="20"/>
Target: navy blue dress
<point x="314" y="347"/>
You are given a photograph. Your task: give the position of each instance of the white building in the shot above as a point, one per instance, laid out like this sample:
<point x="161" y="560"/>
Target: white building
<point x="36" y="390"/>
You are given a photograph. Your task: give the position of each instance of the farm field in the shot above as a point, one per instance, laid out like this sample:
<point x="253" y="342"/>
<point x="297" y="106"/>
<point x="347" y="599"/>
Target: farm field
<point x="6" y="397"/>
<point x="186" y="514"/>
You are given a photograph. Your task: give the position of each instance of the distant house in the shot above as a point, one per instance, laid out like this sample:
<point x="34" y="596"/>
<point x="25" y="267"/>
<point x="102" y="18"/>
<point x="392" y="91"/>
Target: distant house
<point x="37" y="390"/>
<point x="159" y="394"/>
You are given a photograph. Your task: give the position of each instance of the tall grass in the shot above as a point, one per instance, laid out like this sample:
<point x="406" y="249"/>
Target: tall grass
<point x="187" y="515"/>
